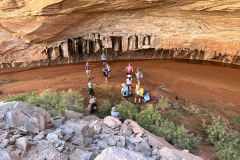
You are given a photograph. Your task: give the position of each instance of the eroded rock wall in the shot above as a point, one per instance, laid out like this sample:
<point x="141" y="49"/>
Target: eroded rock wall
<point x="64" y="31"/>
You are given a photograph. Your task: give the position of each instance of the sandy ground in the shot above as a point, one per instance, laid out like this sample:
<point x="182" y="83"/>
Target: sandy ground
<point x="203" y="86"/>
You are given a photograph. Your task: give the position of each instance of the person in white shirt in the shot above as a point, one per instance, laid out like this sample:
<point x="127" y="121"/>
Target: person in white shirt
<point x="129" y="83"/>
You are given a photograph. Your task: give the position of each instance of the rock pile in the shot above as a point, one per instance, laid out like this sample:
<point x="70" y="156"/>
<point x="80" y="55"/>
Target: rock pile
<point x="27" y="132"/>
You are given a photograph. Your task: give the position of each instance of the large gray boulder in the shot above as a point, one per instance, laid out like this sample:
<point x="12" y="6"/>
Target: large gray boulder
<point x="4" y="155"/>
<point x="18" y="114"/>
<point x="174" y="154"/>
<point x="73" y="115"/>
<point x="118" y="153"/>
<point x="112" y="122"/>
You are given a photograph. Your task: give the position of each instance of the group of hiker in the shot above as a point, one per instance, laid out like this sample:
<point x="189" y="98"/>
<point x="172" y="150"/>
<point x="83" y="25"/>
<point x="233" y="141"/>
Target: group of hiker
<point x="126" y="89"/>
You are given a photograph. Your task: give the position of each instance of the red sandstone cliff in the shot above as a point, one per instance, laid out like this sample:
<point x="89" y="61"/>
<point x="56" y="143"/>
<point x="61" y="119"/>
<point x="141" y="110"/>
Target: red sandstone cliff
<point x="62" y="31"/>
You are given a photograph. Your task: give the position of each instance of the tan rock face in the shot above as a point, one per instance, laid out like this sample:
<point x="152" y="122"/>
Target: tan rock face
<point x="62" y="31"/>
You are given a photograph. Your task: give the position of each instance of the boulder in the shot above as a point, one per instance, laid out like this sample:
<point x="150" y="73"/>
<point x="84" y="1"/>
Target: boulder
<point x="111" y="141"/>
<point x="39" y="136"/>
<point x="102" y="144"/>
<point x="52" y="136"/>
<point x="174" y="154"/>
<point x="22" y="144"/>
<point x="80" y="128"/>
<point x="78" y="154"/>
<point x="90" y="118"/>
<point x="4" y="143"/>
<point x="152" y="139"/>
<point x="32" y="125"/>
<point x="73" y="115"/>
<point x="57" y="121"/>
<point x="118" y="153"/>
<point x="126" y="130"/>
<point x="59" y="133"/>
<point x="49" y="153"/>
<point x="19" y="114"/>
<point x="93" y="123"/>
<point x="4" y="155"/>
<point x="97" y="129"/>
<point x="112" y="122"/>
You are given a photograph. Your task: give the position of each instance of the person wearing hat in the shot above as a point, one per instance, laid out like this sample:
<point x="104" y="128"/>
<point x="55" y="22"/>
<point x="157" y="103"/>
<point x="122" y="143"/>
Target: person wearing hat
<point x="124" y="90"/>
<point x="115" y="114"/>
<point x="92" y="106"/>
<point x="129" y="83"/>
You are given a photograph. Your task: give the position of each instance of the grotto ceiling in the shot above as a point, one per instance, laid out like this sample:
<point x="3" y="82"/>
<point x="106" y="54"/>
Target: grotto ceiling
<point x="48" y="30"/>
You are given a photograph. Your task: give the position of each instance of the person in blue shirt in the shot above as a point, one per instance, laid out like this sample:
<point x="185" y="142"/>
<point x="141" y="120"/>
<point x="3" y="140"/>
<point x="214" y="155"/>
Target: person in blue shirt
<point x="104" y="58"/>
<point x="124" y="90"/>
<point x="115" y="114"/>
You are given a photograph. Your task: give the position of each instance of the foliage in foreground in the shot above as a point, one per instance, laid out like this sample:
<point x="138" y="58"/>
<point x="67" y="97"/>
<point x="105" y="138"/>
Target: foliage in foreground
<point x="54" y="102"/>
<point x="151" y="120"/>
<point x="104" y="109"/>
<point x="127" y="110"/>
<point x="226" y="141"/>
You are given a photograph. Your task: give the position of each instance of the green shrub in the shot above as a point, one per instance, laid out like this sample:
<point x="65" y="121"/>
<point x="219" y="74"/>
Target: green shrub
<point x="226" y="141"/>
<point x="216" y="131"/>
<point x="127" y="110"/>
<point x="104" y="109"/>
<point x="178" y="135"/>
<point x="148" y="117"/>
<point x="20" y="97"/>
<point x="54" y="102"/>
<point x="235" y="120"/>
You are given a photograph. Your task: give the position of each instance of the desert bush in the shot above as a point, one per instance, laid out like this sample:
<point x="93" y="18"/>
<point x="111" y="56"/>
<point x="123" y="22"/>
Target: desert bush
<point x="54" y="102"/>
<point x="226" y="141"/>
<point x="127" y="110"/>
<point x="20" y="97"/>
<point x="178" y="135"/>
<point x="104" y="109"/>
<point x="216" y="131"/>
<point x="149" y="117"/>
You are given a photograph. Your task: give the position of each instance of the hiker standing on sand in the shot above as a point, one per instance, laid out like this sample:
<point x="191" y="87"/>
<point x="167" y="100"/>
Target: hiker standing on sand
<point x="129" y="83"/>
<point x="137" y="91"/>
<point x="87" y="68"/>
<point x="104" y="58"/>
<point x="90" y="89"/>
<point x="106" y="74"/>
<point x="139" y="76"/>
<point x="129" y="69"/>
<point x="108" y="69"/>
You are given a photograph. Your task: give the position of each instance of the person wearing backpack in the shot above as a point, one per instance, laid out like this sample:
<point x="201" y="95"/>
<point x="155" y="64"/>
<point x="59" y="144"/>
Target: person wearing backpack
<point x="108" y="68"/>
<point x="124" y="91"/>
<point x="139" y="76"/>
<point x="106" y="74"/>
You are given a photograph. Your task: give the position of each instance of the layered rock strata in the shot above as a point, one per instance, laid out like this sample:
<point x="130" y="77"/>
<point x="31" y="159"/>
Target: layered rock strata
<point x="62" y="31"/>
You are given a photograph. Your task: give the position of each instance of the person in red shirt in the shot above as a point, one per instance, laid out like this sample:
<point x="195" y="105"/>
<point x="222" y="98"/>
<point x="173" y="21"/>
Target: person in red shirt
<point x="87" y="67"/>
<point x="129" y="69"/>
